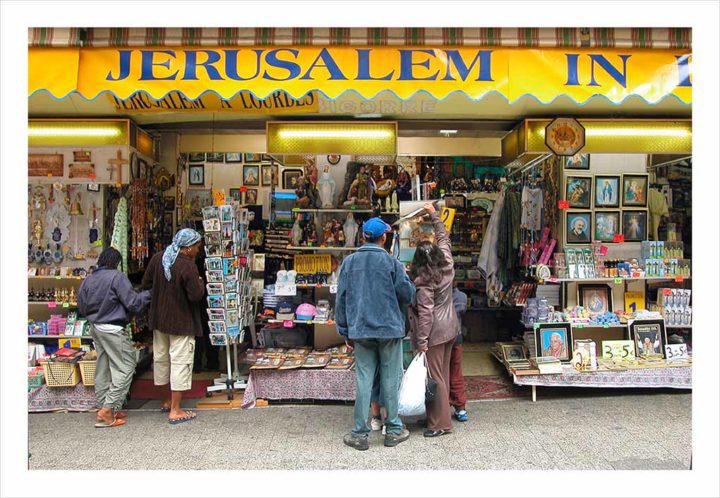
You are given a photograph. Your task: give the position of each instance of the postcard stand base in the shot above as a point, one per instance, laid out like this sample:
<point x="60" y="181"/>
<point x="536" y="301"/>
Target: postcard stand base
<point x="232" y="380"/>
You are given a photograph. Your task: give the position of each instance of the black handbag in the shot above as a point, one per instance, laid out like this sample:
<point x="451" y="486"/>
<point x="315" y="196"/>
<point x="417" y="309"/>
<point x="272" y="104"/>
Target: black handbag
<point x="430" y="389"/>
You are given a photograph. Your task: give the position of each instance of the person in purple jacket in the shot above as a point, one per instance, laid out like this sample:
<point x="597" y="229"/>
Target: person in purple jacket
<point x="106" y="298"/>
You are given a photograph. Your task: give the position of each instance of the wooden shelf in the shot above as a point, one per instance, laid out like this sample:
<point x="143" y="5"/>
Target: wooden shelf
<point x="307" y="322"/>
<point x="610" y="279"/>
<point x="47" y="277"/>
<point x="315" y="248"/>
<point x="298" y="210"/>
<point x="678" y="326"/>
<point x="41" y="337"/>
<point x="57" y="305"/>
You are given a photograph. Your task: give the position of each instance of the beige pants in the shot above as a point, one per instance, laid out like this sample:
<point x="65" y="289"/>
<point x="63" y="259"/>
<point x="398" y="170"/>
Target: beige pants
<point x="173" y="356"/>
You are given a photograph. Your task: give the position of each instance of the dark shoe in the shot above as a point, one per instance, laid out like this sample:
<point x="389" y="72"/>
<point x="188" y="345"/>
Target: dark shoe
<point x="395" y="439"/>
<point x="422" y="422"/>
<point x="439" y="432"/>
<point x="357" y="442"/>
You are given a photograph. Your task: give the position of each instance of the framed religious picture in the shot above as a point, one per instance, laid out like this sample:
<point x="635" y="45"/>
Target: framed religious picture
<point x="607" y="224"/>
<point x="196" y="157"/>
<point x="596" y="298"/>
<point x="577" y="161"/>
<point x="634" y="225"/>
<point x="236" y="194"/>
<point x="578" y="227"/>
<point x="578" y="191"/>
<point x="512" y="352"/>
<point x="607" y="191"/>
<point x="198" y="199"/>
<point x="196" y="174"/>
<point x="290" y="178"/>
<point x="267" y="174"/>
<point x="233" y="157"/>
<point x="251" y="196"/>
<point x="649" y="337"/>
<point x="251" y="175"/>
<point x="253" y="158"/>
<point x="215" y="157"/>
<point x="635" y="190"/>
<point x="554" y="340"/>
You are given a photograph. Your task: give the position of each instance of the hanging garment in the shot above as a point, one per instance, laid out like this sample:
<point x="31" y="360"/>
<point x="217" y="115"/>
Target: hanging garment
<point x="657" y="205"/>
<point x="488" y="260"/>
<point x="532" y="203"/>
<point x="509" y="238"/>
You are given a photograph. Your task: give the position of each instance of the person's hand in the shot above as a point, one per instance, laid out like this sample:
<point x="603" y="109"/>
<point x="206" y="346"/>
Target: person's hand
<point x="430" y="208"/>
<point x="349" y="344"/>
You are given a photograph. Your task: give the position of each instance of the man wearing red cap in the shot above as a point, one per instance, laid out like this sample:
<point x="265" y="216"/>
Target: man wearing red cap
<point x="373" y="292"/>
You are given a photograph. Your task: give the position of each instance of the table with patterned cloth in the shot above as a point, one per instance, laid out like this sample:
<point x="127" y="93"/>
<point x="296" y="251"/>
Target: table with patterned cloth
<point x="301" y="383"/>
<point x="673" y="377"/>
<point x="80" y="398"/>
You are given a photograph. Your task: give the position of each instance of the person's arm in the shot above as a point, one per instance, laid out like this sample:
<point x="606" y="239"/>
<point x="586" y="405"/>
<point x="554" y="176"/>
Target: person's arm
<point x="194" y="287"/>
<point x="425" y="305"/>
<point x="441" y="236"/>
<point x="341" y="303"/>
<point x="134" y="302"/>
<point x="460" y="302"/>
<point x="404" y="287"/>
<point x="147" y="281"/>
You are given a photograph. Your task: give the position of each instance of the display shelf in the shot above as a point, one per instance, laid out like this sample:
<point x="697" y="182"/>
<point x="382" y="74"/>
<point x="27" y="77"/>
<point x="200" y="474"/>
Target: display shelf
<point x="554" y="280"/>
<point x="313" y="286"/>
<point x="298" y="210"/>
<point x="316" y="248"/>
<point x="53" y="277"/>
<point x="678" y="326"/>
<point x="577" y="325"/>
<point x="57" y="305"/>
<point x="465" y="249"/>
<point x="41" y="337"/>
<point x="390" y="213"/>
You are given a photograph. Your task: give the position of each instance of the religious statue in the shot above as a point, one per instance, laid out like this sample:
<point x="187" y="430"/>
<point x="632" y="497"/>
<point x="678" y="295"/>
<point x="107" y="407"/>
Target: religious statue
<point x="306" y="193"/>
<point x="311" y="171"/>
<point x="350" y="229"/>
<point x="360" y="190"/>
<point x="326" y="188"/>
<point x="297" y="232"/>
<point x="402" y="188"/>
<point x="38" y="230"/>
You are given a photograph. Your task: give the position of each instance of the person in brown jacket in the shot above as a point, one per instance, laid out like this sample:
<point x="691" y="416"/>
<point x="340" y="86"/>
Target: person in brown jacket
<point x="433" y="321"/>
<point x="174" y="317"/>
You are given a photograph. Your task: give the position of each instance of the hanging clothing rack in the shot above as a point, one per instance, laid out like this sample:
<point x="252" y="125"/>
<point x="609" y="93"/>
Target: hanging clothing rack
<point x="529" y="165"/>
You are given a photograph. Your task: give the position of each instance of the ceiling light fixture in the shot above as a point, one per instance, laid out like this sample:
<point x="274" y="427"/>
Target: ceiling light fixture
<point x="38" y="131"/>
<point x="334" y="134"/>
<point x="448" y="132"/>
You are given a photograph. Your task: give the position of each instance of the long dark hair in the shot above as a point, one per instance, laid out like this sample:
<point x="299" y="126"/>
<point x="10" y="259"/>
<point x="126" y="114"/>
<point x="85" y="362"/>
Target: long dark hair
<point x="428" y="262"/>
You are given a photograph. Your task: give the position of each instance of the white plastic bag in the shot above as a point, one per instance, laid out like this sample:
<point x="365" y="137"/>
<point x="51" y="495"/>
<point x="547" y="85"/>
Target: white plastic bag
<point x="411" y="399"/>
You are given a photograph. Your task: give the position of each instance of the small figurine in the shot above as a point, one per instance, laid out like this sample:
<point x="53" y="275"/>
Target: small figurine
<point x="297" y="232"/>
<point x="360" y="191"/>
<point x="38" y="231"/>
<point x="76" y="208"/>
<point x="326" y="188"/>
<point x="306" y="193"/>
<point x="394" y="207"/>
<point x="402" y="189"/>
<point x="350" y="229"/>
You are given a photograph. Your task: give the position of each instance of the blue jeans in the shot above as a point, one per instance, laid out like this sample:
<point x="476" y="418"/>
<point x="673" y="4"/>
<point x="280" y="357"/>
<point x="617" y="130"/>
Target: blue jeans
<point x="369" y="355"/>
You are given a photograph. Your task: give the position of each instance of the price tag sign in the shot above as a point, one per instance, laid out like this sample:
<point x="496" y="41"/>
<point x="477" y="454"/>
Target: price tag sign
<point x="288" y="324"/>
<point x="618" y="280"/>
<point x="618" y="238"/>
<point x="52" y="305"/>
<point x="66" y="305"/>
<point x="603" y="250"/>
<point x="618" y="350"/>
<point x="447" y="215"/>
<point x="552" y="280"/>
<point x="676" y="352"/>
<point x="679" y="278"/>
<point x="667" y="292"/>
<point x="285" y="289"/>
<point x="57" y="278"/>
<point x="333" y="289"/>
<point x="563" y="204"/>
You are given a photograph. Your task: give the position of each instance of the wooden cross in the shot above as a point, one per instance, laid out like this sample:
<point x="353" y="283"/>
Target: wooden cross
<point x="117" y="163"/>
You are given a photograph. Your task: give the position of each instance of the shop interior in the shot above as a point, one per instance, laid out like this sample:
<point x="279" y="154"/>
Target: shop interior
<point x="585" y="243"/>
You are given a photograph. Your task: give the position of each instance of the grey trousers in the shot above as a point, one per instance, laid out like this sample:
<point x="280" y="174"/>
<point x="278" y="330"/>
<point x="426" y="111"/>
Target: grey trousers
<point x="114" y="369"/>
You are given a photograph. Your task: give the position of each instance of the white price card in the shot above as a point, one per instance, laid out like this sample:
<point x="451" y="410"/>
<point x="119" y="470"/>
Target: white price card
<point x="618" y="350"/>
<point x="285" y="289"/>
<point x="676" y="352"/>
<point x="333" y="289"/>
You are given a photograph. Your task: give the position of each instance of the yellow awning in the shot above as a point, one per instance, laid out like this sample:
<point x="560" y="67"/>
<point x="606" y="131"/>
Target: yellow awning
<point x="544" y="74"/>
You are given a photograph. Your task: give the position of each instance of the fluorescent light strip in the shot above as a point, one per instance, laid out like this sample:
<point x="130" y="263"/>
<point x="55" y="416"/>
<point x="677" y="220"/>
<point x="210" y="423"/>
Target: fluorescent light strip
<point x="73" y="132"/>
<point x="635" y="132"/>
<point x="334" y="134"/>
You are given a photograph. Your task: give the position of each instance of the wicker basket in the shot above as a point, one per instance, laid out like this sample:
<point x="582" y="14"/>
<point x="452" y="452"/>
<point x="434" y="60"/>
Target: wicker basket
<point x="87" y="371"/>
<point x="61" y="374"/>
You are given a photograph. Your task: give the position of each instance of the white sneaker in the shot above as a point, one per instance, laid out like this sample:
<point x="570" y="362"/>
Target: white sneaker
<point x="376" y="424"/>
<point x="384" y="430"/>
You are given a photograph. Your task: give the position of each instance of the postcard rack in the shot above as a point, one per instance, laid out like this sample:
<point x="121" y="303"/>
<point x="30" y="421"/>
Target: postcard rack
<point x="230" y="301"/>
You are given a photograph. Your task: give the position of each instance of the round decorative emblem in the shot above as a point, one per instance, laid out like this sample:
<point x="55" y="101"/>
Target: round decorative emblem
<point x="565" y="136"/>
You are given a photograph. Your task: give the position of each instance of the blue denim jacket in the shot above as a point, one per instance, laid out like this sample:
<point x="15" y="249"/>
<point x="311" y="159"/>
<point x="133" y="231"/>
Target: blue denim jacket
<point x="373" y="292"/>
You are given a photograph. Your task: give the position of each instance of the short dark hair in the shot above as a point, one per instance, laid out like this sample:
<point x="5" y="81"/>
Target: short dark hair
<point x="428" y="262"/>
<point x="376" y="240"/>
<point x="110" y="258"/>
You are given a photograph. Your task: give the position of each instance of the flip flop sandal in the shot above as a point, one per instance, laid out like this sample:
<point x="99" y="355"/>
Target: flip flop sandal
<point x="188" y="417"/>
<point x="120" y="414"/>
<point x="164" y="409"/>
<point x="115" y="423"/>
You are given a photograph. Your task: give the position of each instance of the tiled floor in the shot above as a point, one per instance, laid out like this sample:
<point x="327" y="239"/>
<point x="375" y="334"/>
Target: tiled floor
<point x="564" y="432"/>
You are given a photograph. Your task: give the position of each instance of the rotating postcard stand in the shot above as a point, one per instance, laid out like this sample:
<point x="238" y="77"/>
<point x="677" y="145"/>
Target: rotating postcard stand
<point x="229" y="287"/>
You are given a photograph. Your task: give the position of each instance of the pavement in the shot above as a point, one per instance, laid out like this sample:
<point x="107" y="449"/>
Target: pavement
<point x="618" y="431"/>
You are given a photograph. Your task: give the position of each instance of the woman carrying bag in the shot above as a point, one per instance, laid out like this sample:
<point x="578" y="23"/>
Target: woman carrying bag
<point x="433" y="320"/>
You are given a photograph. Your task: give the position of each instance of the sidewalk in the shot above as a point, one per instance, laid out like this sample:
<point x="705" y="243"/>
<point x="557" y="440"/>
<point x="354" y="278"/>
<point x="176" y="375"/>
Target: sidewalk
<point x="645" y="431"/>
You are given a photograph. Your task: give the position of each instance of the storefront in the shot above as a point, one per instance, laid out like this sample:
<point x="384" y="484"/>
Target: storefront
<point x="558" y="223"/>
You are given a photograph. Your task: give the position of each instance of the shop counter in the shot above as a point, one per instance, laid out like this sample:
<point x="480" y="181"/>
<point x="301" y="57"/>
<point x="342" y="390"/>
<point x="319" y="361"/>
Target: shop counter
<point x="301" y="383"/>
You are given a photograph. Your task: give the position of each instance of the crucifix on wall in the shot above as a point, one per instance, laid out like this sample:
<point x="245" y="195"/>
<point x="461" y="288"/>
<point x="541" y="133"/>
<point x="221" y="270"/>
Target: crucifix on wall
<point x="116" y="163"/>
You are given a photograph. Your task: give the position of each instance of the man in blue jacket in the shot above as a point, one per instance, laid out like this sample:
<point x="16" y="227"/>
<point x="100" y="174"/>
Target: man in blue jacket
<point x="373" y="292"/>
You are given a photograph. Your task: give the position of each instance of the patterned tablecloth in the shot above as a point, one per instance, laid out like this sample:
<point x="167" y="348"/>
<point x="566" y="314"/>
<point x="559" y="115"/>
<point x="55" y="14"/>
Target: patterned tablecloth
<point x="301" y="383"/>
<point x="75" y="399"/>
<point x="674" y="377"/>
